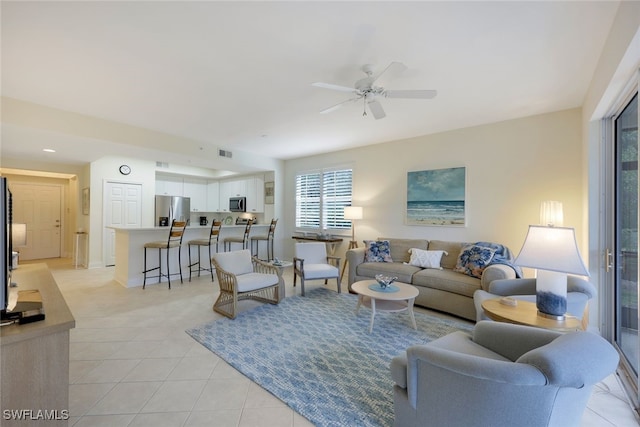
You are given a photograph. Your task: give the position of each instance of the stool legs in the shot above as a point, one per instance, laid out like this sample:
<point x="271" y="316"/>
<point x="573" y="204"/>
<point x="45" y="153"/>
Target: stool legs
<point x="159" y="267"/>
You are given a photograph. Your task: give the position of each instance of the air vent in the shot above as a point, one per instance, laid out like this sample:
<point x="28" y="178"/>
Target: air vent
<point x="225" y="153"/>
<point x="163" y="165"/>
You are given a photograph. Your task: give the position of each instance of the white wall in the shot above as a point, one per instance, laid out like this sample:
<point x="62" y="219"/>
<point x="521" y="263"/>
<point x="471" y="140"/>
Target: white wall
<point x="511" y="167"/>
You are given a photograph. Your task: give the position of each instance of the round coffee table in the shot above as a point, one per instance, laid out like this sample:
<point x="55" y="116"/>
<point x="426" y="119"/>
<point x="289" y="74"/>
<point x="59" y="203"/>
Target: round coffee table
<point x="400" y="300"/>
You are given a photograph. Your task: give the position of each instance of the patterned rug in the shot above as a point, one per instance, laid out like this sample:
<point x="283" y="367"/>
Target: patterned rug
<point x="317" y="356"/>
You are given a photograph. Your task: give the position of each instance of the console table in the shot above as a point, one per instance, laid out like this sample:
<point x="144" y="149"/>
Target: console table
<point x="34" y="357"/>
<point x="332" y="242"/>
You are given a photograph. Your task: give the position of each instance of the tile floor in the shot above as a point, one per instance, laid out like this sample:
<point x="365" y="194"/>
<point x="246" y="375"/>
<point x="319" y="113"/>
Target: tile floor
<point x="132" y="364"/>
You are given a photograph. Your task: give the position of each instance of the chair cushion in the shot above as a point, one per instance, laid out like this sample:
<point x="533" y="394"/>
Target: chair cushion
<point x="311" y="253"/>
<point x="236" y="262"/>
<point x="320" y="271"/>
<point x="252" y="281"/>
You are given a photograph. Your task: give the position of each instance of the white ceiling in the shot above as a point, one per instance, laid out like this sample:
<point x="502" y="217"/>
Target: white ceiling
<point x="238" y="75"/>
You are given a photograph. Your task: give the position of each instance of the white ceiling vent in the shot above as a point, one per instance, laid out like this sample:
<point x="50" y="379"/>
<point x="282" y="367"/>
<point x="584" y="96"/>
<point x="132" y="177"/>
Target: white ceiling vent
<point x="163" y="165"/>
<point x="225" y="153"/>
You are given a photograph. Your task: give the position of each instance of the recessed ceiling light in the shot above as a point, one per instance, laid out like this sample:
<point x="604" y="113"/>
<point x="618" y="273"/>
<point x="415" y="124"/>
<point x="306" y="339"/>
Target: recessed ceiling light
<point x="49" y="150"/>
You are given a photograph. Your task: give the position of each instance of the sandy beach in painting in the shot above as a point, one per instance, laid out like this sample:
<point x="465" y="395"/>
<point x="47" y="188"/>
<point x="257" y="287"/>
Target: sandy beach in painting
<point x="436" y="213"/>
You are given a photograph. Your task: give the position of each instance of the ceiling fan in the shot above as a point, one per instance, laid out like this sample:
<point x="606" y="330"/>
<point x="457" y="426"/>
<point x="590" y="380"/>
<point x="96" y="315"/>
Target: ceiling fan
<point x="366" y="90"/>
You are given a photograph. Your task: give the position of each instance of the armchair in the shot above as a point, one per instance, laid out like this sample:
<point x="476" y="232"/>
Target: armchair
<point x="501" y="375"/>
<point x="311" y="263"/>
<point x="579" y="292"/>
<point x="242" y="277"/>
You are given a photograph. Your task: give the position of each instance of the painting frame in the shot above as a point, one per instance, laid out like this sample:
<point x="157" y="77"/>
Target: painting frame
<point x="85" y="201"/>
<point x="269" y="192"/>
<point x="437" y="197"/>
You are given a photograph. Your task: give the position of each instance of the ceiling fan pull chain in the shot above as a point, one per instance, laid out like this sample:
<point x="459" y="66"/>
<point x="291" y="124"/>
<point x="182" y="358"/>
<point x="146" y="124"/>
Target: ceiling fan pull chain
<point x="364" y="106"/>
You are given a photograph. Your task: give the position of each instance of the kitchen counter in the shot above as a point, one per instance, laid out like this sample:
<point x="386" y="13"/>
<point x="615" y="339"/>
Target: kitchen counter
<point x="129" y="250"/>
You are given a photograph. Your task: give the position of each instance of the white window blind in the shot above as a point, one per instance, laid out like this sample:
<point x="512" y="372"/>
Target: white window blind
<point x="321" y="198"/>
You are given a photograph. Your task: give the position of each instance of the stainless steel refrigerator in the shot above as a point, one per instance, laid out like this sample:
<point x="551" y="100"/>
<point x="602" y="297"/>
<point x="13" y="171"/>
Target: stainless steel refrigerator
<point x="169" y="208"/>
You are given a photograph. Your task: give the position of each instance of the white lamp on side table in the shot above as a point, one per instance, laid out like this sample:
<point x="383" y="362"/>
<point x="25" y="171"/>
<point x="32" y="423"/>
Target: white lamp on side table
<point x="554" y="252"/>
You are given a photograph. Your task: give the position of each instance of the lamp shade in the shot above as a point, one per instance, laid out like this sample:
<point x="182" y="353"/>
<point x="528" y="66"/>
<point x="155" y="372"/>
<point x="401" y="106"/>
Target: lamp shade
<point x="551" y="213"/>
<point x="353" y="212"/>
<point x="552" y="249"/>
<point x="18" y="235"/>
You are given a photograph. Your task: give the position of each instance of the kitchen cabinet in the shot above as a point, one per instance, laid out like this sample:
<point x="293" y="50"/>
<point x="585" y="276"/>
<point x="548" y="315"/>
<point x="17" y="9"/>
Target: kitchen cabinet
<point x="196" y="190"/>
<point x="255" y="194"/>
<point x="169" y="186"/>
<point x="213" y="196"/>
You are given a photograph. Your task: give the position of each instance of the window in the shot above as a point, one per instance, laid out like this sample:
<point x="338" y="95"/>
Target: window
<point x="321" y="197"/>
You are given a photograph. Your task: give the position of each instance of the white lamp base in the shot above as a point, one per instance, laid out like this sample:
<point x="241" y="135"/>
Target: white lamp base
<point x="551" y="294"/>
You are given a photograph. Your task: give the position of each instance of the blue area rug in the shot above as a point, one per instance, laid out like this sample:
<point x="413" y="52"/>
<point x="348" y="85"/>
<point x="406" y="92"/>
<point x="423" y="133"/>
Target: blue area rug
<point x="315" y="354"/>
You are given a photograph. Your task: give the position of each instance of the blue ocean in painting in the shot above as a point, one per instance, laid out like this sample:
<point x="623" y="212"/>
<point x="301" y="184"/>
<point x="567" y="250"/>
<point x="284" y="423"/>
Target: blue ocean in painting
<point x="436" y="212"/>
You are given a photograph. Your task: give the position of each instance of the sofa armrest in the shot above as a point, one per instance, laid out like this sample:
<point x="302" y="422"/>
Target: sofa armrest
<point x="496" y="272"/>
<point x="355" y="257"/>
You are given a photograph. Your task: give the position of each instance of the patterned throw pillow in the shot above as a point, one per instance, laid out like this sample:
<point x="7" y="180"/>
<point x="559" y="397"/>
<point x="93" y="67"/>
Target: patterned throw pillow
<point x="426" y="259"/>
<point x="473" y="260"/>
<point x="377" y="251"/>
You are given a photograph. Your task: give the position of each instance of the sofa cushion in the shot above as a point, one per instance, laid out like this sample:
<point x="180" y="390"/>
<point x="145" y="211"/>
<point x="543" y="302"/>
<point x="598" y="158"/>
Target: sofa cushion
<point x="403" y="272"/>
<point x="425" y="259"/>
<point x="400" y="247"/>
<point x="377" y="251"/>
<point x="447" y="280"/>
<point x="452" y="248"/>
<point x="473" y="260"/>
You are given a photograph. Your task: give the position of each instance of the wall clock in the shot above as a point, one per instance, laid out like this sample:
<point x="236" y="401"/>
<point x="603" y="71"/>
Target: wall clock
<point x="125" y="170"/>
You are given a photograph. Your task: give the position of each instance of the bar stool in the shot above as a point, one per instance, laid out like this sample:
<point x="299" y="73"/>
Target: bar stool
<point x="214" y="237"/>
<point x="244" y="240"/>
<point x="174" y="241"/>
<point x="268" y="238"/>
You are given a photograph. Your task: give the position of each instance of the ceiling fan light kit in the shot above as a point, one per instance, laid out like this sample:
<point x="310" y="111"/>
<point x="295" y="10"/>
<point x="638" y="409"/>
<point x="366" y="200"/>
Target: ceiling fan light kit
<point x="364" y="89"/>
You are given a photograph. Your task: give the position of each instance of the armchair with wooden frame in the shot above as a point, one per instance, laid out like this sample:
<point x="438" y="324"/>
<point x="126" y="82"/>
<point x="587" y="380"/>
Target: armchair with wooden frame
<point x="311" y="262"/>
<point x="242" y="277"/>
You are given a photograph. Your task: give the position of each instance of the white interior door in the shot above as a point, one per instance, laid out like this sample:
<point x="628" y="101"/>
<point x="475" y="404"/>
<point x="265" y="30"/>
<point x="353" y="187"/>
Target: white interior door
<point x="38" y="206"/>
<point x="123" y="208"/>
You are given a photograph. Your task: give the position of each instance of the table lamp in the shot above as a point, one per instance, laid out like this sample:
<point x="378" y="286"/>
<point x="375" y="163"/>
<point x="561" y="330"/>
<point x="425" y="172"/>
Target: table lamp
<point x="353" y="212"/>
<point x="553" y="251"/>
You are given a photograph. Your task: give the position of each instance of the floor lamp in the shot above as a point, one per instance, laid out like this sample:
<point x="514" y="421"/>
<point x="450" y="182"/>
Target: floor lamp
<point x="352" y="213"/>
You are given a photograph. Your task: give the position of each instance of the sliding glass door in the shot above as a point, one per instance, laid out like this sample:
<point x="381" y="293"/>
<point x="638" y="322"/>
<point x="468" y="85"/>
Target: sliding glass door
<point x="625" y="259"/>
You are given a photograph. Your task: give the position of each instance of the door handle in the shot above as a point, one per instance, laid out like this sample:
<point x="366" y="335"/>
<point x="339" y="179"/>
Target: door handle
<point x="608" y="260"/>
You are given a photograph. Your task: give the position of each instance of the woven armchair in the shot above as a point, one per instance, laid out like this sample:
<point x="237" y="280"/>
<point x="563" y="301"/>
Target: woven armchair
<point x="242" y="277"/>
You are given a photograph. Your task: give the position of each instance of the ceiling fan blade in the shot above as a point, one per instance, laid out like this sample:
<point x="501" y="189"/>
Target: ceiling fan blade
<point x="335" y="107"/>
<point x="333" y="87"/>
<point x="394" y="69"/>
<point x="376" y="109"/>
<point x="411" y="94"/>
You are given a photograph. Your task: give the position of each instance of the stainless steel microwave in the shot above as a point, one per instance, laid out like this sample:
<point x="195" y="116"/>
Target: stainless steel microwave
<point x="238" y="204"/>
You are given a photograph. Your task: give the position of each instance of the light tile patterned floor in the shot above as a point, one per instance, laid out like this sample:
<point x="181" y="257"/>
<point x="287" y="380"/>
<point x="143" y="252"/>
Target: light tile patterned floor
<point x="132" y="364"/>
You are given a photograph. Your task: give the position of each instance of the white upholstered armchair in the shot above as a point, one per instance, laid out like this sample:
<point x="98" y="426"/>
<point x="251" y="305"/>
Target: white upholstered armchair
<point x="311" y="262"/>
<point x="240" y="277"/>
<point x="501" y="375"/>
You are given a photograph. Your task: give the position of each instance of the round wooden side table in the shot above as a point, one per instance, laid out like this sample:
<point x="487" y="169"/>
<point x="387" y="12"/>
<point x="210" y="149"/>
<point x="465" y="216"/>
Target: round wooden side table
<point x="526" y="313"/>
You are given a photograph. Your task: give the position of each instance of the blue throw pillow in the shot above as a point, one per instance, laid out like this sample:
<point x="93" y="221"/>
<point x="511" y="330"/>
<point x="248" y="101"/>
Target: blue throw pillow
<point x="377" y="251"/>
<point x="473" y="260"/>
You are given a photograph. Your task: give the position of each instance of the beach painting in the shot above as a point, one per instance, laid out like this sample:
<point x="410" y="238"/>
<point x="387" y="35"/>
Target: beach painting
<point x="436" y="197"/>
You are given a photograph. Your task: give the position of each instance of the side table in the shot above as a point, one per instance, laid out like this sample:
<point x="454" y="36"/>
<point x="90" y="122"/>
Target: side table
<point x="526" y="313"/>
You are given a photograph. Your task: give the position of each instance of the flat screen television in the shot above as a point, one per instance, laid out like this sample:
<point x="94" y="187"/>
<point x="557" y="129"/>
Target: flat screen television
<point x="6" y="249"/>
